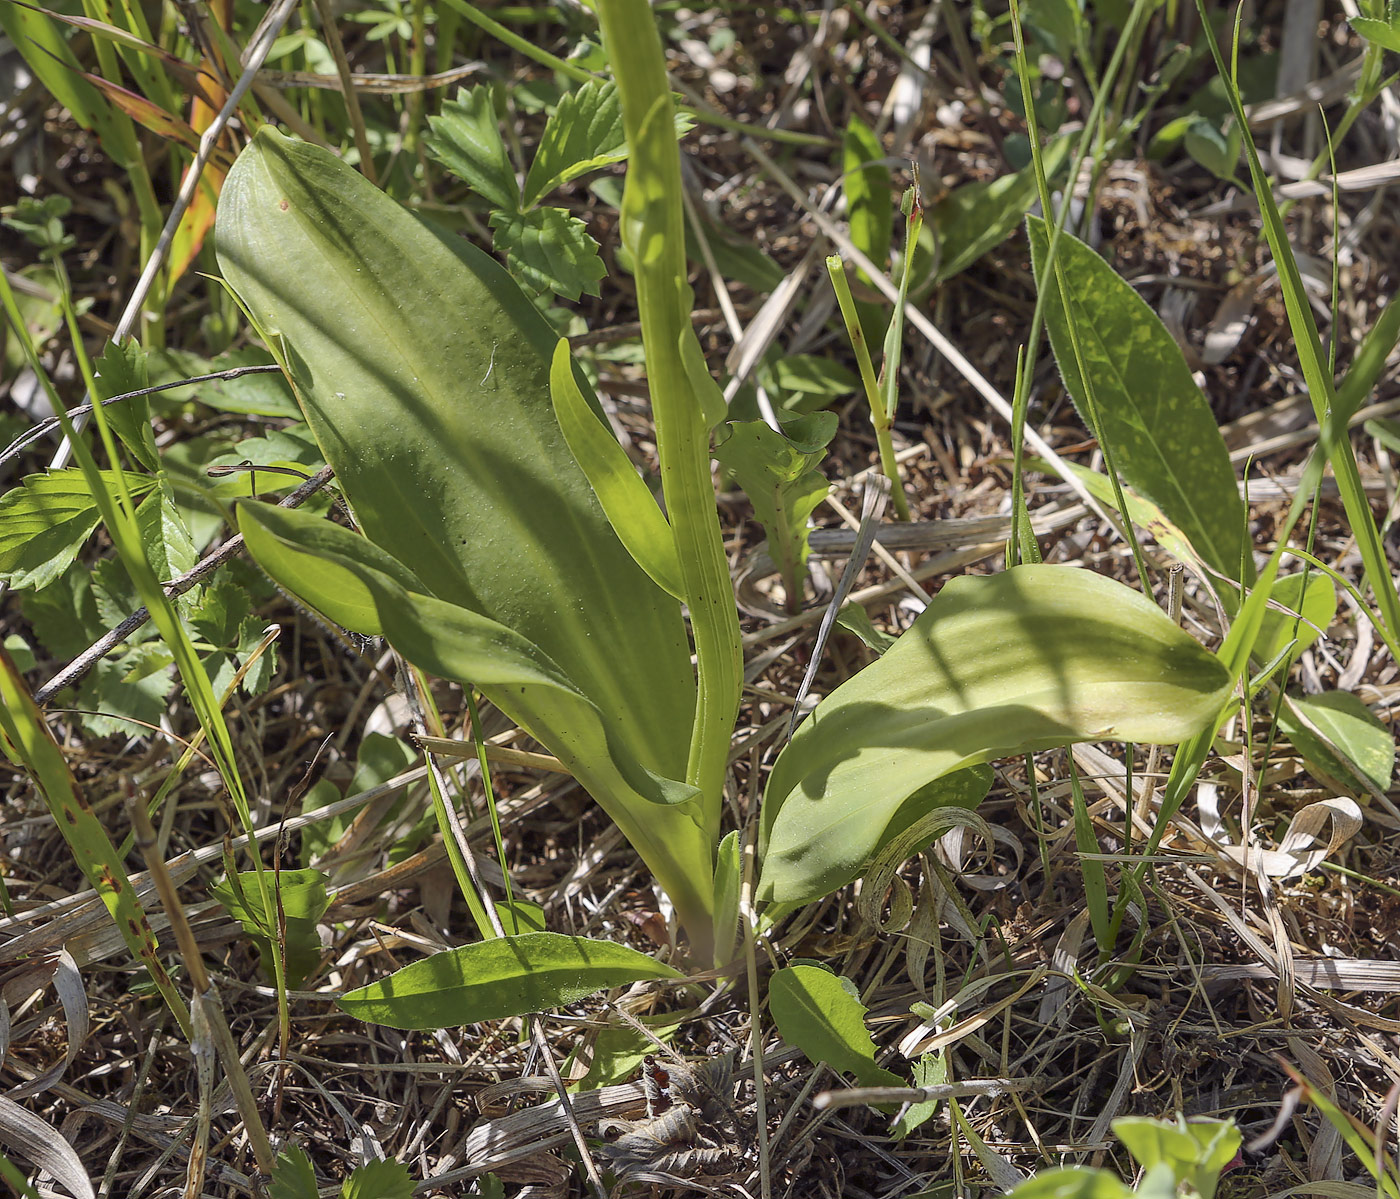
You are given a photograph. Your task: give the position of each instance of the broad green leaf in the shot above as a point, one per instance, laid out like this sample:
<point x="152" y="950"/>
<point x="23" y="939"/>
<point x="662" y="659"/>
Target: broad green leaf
<point x="1317" y="604"/>
<point x="382" y="1179"/>
<point x="1215" y="148"/>
<point x="45" y="521"/>
<point x="292" y="1176"/>
<point x="1072" y="1182"/>
<point x="301" y="895"/>
<point x="972" y="220"/>
<point x="815" y="1012"/>
<point x="1163" y="436"/>
<point x="311" y="556"/>
<point x="631" y="508"/>
<point x="812" y="375"/>
<point x="113" y="701"/>
<point x="1341" y="739"/>
<point x="997" y="665"/>
<point x="520" y="916"/>
<point x="549" y="250"/>
<point x="584" y="133"/>
<point x="1384" y="34"/>
<point x="490" y="980"/>
<point x="258" y="394"/>
<point x="120" y="369"/>
<point x="869" y="195"/>
<point x="776" y="472"/>
<point x="466" y="139"/>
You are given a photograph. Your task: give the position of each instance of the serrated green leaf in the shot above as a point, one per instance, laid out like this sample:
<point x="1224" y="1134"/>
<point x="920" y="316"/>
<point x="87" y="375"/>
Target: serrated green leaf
<point x="508" y="976"/>
<point x="815" y="1012"/>
<point x="292" y="1176"/>
<point x="1165" y="440"/>
<point x="64" y="616"/>
<point x="549" y="250"/>
<point x="219" y="613"/>
<point x="997" y="665"/>
<point x="466" y="139"/>
<point x="113" y="705"/>
<point x="382" y="1179"/>
<point x="167" y="542"/>
<point x="931" y="1070"/>
<point x="46" y="520"/>
<point x="120" y="369"/>
<point x="583" y="133"/>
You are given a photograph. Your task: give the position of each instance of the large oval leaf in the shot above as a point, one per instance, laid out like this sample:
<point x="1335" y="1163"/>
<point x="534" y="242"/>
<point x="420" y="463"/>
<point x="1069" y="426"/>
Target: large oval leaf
<point x="423" y="371"/>
<point x="507" y="976"/>
<point x="996" y="665"/>
<point x="1164" y="439"/>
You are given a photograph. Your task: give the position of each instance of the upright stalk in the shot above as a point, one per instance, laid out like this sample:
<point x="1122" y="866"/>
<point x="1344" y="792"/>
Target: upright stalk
<point x="653" y="230"/>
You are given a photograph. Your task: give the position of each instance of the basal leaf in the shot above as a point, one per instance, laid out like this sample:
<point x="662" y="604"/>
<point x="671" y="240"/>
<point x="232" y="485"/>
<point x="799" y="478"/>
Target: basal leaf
<point x="490" y="980"/>
<point x="1164" y="438"/>
<point x="814" y="1011"/>
<point x="45" y="521"/>
<point x="583" y="133"/>
<point x="1003" y="664"/>
<point x="549" y="250"/>
<point x="466" y="139"/>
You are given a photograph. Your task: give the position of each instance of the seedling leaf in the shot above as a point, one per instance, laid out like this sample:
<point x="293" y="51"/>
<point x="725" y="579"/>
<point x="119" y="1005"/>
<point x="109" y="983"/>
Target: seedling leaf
<point x="466" y="139"/>
<point x="584" y="133"/>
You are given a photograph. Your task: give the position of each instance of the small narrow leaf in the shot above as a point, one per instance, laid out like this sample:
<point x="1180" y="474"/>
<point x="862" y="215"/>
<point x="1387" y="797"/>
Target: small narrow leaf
<point x="508" y="976"/>
<point x="584" y="133"/>
<point x="631" y="509"/>
<point x="466" y="139"/>
<point x="1164" y="438"/>
<point x="549" y="250"/>
<point x="814" y="1011"/>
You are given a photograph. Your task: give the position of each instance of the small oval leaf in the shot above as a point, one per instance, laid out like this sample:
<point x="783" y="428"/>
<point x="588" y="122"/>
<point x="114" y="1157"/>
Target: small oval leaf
<point x="508" y="976"/>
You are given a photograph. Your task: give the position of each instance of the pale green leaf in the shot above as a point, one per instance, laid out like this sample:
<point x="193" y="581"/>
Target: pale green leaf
<point x="1384" y="34"/>
<point x="631" y="509"/>
<point x="728" y="876"/>
<point x="301" y="896"/>
<point x="1193" y="1153"/>
<point x="490" y="980"/>
<point x="466" y="139"/>
<point x="997" y="665"/>
<point x="584" y="133"/>
<point x="1164" y="439"/>
<point x="1072" y="1182"/>
<point x="1313" y="596"/>
<point x="931" y="1070"/>
<point x="549" y="250"/>
<point x="1341" y="739"/>
<point x="815" y="1012"/>
<point x="46" y="520"/>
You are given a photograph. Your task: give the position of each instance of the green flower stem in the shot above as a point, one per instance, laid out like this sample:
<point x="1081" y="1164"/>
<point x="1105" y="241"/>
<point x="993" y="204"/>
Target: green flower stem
<point x="879" y="416"/>
<point x="653" y="229"/>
